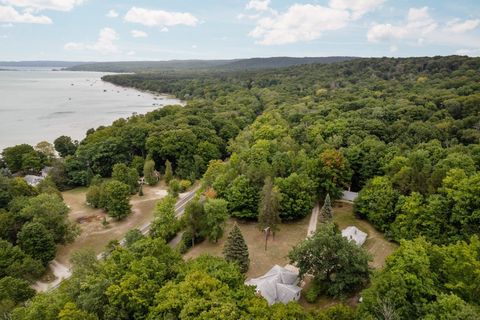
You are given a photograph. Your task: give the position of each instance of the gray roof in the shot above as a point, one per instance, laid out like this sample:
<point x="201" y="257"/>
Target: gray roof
<point x="277" y="285"/>
<point x="33" y="180"/>
<point x="354" y="234"/>
<point x="349" y="196"/>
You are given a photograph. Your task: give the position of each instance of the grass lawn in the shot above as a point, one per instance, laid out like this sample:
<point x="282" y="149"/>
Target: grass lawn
<point x="376" y="244"/>
<point x="290" y="235"/>
<point x="94" y="235"/>
<point x="260" y="260"/>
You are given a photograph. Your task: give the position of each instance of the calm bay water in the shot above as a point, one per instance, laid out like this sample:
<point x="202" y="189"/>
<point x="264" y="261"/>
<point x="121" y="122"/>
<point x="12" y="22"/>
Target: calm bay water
<point x="43" y="105"/>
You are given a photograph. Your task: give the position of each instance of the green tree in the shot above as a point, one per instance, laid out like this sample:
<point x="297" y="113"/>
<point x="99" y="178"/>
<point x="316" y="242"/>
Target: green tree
<point x="376" y="202"/>
<point x="296" y="196"/>
<point x="71" y="312"/>
<point x="149" y="172"/>
<point x="52" y="213"/>
<point x="242" y="198"/>
<point x="165" y="224"/>
<point x="116" y="197"/>
<point x="195" y="221"/>
<point x="235" y="249"/>
<point x="65" y="146"/>
<point x="174" y="187"/>
<point x="133" y="236"/>
<point x="37" y="241"/>
<point x="450" y="307"/>
<point x="32" y="162"/>
<point x="16" y="290"/>
<point x="403" y="286"/>
<point x="339" y="265"/>
<point x="14" y="156"/>
<point x="168" y="171"/>
<point x="327" y="210"/>
<point x="332" y="173"/>
<point x="93" y="196"/>
<point x="127" y="175"/>
<point x="15" y="263"/>
<point x="216" y="215"/>
<point x="269" y="207"/>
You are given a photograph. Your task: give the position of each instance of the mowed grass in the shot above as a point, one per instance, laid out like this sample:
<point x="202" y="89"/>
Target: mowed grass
<point x="261" y="261"/>
<point x="94" y="235"/>
<point x="376" y="244"/>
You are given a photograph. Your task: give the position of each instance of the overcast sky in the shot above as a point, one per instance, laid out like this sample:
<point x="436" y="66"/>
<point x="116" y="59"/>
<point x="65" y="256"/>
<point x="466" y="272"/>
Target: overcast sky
<point x="105" y="30"/>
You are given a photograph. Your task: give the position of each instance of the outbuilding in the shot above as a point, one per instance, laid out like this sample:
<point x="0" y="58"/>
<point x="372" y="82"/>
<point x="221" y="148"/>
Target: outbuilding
<point x="354" y="234"/>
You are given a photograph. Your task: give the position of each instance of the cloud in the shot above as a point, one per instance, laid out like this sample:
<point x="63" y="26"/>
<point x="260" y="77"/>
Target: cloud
<point x="58" y="5"/>
<point x="112" y="14"/>
<point x="10" y="15"/>
<point x="138" y="34"/>
<point x="299" y="23"/>
<point x="305" y="22"/>
<point x="105" y="43"/>
<point x="420" y="28"/>
<point x="259" y="5"/>
<point x="468" y="52"/>
<point x="152" y="18"/>
<point x="357" y="8"/>
<point x="458" y="26"/>
<point x="131" y="53"/>
<point x="418" y="25"/>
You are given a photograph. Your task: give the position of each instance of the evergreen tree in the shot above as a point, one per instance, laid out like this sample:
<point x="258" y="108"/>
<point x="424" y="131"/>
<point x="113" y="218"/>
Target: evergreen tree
<point x="269" y="206"/>
<point x="236" y="250"/>
<point x="168" y="171"/>
<point x="327" y="210"/>
<point x="149" y="172"/>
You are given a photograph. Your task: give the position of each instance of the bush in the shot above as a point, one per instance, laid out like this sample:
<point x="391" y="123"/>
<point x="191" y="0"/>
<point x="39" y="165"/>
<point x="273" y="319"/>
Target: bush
<point x="313" y="292"/>
<point x="184" y="185"/>
<point x="174" y="187"/>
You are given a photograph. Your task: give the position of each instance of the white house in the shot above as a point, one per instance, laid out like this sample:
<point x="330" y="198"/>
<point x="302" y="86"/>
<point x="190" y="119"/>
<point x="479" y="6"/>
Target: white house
<point x="33" y="180"/>
<point x="354" y="234"/>
<point x="277" y="285"/>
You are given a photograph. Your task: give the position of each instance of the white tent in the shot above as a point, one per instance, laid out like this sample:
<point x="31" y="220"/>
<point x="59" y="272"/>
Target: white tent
<point x="277" y="285"/>
<point x="354" y="234"/>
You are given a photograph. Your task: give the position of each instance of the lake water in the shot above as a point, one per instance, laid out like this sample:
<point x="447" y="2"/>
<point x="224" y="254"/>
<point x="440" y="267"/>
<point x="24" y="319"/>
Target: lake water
<point x="43" y="105"/>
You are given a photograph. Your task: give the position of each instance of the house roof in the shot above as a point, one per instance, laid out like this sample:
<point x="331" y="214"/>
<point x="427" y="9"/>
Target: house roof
<point x="277" y="285"/>
<point x="354" y="234"/>
<point x="33" y="180"/>
<point x="349" y="196"/>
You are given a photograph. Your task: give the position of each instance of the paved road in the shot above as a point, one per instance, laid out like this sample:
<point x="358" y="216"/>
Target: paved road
<point x="62" y="272"/>
<point x="312" y="226"/>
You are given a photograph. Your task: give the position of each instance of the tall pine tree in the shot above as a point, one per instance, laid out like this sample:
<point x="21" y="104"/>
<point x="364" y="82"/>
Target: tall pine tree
<point x="168" y="171"/>
<point x="236" y="250"/>
<point x="327" y="211"/>
<point x="269" y="216"/>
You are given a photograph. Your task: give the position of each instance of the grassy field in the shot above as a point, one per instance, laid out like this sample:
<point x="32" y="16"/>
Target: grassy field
<point x="290" y="235"/>
<point x="94" y="235"/>
<point x="376" y="244"/>
<point x="260" y="260"/>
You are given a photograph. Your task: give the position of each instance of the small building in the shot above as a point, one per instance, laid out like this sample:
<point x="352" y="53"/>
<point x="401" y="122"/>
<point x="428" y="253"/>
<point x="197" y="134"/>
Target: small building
<point x="277" y="285"/>
<point x="46" y="171"/>
<point x="33" y="180"/>
<point x="349" y="196"/>
<point x="354" y="234"/>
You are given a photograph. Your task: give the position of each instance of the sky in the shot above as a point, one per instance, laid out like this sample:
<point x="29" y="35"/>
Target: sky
<point x="113" y="30"/>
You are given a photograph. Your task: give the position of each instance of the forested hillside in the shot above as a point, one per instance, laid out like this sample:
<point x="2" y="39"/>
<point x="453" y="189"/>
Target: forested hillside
<point x="206" y="65"/>
<point x="405" y="133"/>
